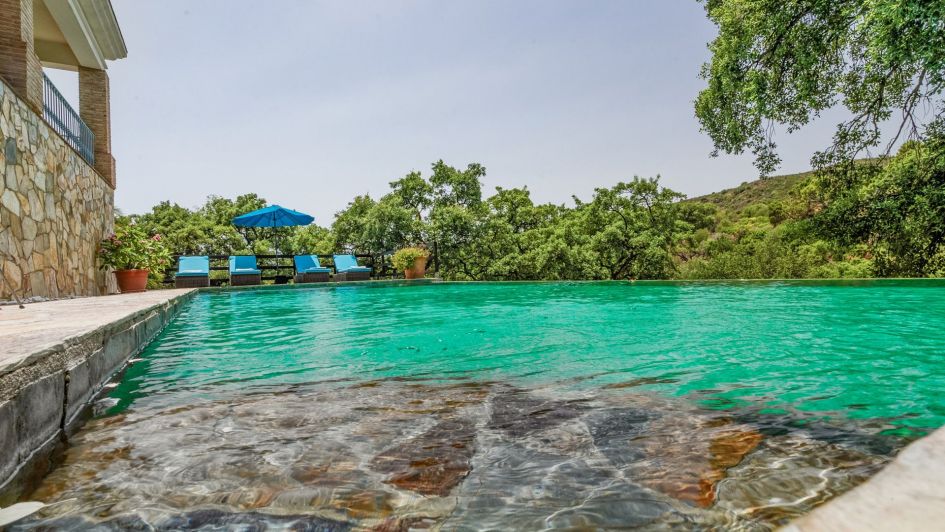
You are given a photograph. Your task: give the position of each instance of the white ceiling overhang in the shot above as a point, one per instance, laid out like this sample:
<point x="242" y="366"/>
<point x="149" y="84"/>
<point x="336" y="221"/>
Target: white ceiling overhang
<point x="90" y="29"/>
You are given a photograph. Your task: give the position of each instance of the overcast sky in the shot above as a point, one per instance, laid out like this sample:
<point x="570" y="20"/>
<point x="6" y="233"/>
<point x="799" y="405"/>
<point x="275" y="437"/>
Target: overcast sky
<point x="310" y="103"/>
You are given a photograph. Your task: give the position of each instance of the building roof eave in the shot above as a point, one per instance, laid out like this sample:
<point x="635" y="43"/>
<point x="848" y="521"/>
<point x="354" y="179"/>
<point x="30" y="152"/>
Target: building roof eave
<point x="91" y="30"/>
<point x="101" y="19"/>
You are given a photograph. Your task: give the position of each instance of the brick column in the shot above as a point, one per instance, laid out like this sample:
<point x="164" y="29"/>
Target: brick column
<point x="95" y="111"/>
<point x="19" y="64"/>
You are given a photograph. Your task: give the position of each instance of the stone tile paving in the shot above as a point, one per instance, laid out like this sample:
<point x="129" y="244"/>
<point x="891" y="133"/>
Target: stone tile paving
<point x="28" y="334"/>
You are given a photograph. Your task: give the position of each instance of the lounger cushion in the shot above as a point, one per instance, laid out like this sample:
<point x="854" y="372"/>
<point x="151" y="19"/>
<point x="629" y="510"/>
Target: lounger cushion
<point x="309" y="264"/>
<point x="306" y="261"/>
<point x="356" y="269"/>
<point x="243" y="265"/>
<point x="194" y="266"/>
<point x="192" y="273"/>
<point x="348" y="263"/>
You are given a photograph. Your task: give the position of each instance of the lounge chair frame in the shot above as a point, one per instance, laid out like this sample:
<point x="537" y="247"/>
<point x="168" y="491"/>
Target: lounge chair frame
<point x="191" y="281"/>
<point x="245" y="279"/>
<point x="317" y="277"/>
<point x="352" y="276"/>
<point x="197" y="274"/>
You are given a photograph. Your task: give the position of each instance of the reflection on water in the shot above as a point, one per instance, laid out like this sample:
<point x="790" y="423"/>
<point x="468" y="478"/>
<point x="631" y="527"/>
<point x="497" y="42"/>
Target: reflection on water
<point x="401" y="454"/>
<point x="508" y="406"/>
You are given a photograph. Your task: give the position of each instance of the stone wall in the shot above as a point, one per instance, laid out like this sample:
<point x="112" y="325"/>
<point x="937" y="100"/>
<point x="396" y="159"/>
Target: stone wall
<point x="54" y="210"/>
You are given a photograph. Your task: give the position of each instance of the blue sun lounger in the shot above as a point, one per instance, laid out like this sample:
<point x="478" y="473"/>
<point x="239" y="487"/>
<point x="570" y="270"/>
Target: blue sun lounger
<point x="309" y="270"/>
<point x="192" y="272"/>
<point x="347" y="269"/>
<point x="243" y="270"/>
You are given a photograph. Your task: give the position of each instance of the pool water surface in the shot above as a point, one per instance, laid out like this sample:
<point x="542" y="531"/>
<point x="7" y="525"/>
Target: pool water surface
<point x="508" y="406"/>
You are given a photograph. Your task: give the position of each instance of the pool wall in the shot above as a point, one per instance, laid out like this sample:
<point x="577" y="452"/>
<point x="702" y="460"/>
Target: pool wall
<point x="50" y="372"/>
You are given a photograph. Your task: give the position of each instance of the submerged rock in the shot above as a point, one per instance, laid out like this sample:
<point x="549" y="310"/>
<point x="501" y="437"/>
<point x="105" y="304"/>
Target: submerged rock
<point x="519" y="413"/>
<point x="788" y="475"/>
<point x="615" y="431"/>
<point x="432" y="463"/>
<point x="677" y="453"/>
<point x="618" y="506"/>
<point x="215" y="519"/>
<point x="642" y="381"/>
<point x="420" y="455"/>
<point x="197" y="520"/>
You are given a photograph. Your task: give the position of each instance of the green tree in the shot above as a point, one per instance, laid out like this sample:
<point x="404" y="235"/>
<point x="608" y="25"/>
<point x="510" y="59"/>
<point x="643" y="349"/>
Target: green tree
<point x="783" y="62"/>
<point x="453" y="187"/>
<point x="311" y="239"/>
<point x="632" y="229"/>
<point x="897" y="211"/>
<point x="348" y="227"/>
<point x="414" y="193"/>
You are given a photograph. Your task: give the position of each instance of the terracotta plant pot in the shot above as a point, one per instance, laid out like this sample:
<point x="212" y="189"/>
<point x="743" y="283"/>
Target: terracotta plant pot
<point x="419" y="269"/>
<point x="132" y="280"/>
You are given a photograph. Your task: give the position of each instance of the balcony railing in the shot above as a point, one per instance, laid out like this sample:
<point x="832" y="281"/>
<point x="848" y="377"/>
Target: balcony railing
<point x="63" y="118"/>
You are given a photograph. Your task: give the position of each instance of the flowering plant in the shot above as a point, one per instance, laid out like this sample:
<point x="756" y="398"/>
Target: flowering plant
<point x="130" y="248"/>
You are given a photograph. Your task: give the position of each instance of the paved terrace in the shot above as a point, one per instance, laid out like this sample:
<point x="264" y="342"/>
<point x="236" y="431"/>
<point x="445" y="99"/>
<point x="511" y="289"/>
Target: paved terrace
<point x="28" y="334"/>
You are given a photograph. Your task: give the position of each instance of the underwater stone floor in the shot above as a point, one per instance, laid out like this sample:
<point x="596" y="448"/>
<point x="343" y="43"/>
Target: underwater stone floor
<point x="412" y="455"/>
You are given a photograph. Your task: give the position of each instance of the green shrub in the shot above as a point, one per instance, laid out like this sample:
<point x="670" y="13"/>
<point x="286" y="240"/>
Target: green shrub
<point x="404" y="258"/>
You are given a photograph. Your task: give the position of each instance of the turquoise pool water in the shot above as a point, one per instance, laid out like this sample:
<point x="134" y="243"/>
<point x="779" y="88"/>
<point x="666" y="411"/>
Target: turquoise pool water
<point x="871" y="351"/>
<point x="667" y="403"/>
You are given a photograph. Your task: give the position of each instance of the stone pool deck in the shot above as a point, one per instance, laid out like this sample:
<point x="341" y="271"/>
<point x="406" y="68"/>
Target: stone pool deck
<point x="55" y="357"/>
<point x="907" y="494"/>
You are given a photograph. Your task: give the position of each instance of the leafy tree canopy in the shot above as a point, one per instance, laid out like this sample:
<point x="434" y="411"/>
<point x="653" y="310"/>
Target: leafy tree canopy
<point x="886" y="220"/>
<point x="783" y="62"/>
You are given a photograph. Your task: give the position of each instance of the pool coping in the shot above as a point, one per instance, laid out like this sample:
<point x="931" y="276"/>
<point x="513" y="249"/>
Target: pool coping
<point x="846" y="282"/>
<point x="55" y="359"/>
<point x="907" y="494"/>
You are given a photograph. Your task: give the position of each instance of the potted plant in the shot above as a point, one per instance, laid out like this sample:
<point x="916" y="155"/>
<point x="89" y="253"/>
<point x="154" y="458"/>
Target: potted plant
<point x="412" y="260"/>
<point x="132" y="254"/>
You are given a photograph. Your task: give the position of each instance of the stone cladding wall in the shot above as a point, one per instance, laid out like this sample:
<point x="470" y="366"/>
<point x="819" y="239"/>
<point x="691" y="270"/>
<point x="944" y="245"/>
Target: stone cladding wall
<point x="54" y="210"/>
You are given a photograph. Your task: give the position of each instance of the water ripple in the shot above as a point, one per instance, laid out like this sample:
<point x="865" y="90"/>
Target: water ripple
<point x="527" y="405"/>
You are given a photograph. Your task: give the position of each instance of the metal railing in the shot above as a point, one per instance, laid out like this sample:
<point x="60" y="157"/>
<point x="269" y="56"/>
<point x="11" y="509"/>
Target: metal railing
<point x="63" y="118"/>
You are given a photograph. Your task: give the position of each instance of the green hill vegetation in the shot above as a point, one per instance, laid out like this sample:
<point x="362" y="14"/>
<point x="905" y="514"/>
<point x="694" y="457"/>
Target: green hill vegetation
<point x="858" y="220"/>
<point x="779" y="188"/>
<point x="774" y="188"/>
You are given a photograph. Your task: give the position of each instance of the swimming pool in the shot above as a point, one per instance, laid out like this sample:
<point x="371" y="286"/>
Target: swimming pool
<point x="510" y="405"/>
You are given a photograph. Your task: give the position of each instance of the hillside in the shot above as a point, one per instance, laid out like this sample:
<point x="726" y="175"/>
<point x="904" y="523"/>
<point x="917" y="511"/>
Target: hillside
<point x="760" y="190"/>
<point x="774" y="188"/>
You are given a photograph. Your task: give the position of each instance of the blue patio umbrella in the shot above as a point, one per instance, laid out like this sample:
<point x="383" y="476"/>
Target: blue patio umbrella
<point x="272" y="216"/>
